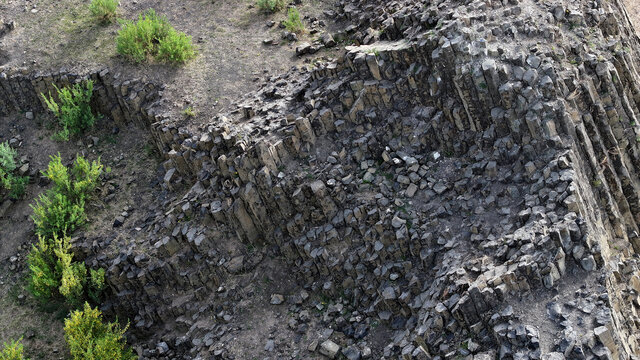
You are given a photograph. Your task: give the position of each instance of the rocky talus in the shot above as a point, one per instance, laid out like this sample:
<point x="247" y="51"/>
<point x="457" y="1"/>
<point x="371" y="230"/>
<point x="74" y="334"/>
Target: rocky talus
<point x="463" y="181"/>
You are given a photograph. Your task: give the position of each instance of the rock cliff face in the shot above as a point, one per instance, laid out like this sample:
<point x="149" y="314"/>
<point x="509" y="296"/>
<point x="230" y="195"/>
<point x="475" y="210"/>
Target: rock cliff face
<point x="466" y="178"/>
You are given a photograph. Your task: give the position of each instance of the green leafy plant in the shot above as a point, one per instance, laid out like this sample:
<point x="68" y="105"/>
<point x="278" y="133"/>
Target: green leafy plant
<point x="76" y="183"/>
<point x="18" y="186"/>
<point x="90" y="338"/>
<point x="55" y="214"/>
<point x="153" y="36"/>
<point x="61" y="210"/>
<point x="54" y="274"/>
<point x="189" y="112"/>
<point x="270" y="6"/>
<point x="176" y="48"/>
<point x="73" y="275"/>
<point x="373" y="51"/>
<point x="74" y="109"/>
<point x="12" y="351"/>
<point x="104" y="10"/>
<point x="45" y="274"/>
<point x="293" y="22"/>
<point x="7" y="157"/>
<point x="96" y="284"/>
<point x="8" y="180"/>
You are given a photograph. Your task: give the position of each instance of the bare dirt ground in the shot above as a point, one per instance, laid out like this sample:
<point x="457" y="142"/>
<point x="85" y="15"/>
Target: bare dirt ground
<point x="633" y="8"/>
<point x="228" y="34"/>
<point x="22" y="317"/>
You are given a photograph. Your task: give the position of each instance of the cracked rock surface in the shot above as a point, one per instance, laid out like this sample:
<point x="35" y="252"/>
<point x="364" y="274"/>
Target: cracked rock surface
<point x="460" y="184"/>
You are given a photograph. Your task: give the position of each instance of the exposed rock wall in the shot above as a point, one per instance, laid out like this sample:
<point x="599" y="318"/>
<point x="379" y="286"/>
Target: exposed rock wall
<point x="486" y="152"/>
<point x="121" y="100"/>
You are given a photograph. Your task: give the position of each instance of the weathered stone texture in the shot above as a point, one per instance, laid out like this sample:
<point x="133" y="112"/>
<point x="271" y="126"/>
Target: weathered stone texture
<point x="471" y="155"/>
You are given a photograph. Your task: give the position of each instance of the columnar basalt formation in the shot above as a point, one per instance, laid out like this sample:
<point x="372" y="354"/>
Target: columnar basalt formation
<point x="124" y="101"/>
<point x="467" y="163"/>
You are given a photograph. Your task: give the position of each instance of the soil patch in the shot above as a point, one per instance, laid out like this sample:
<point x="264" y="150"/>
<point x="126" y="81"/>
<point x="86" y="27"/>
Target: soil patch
<point x="229" y="36"/>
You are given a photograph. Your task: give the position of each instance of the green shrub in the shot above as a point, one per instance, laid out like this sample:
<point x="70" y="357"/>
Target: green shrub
<point x="293" y="23"/>
<point x="104" y="10"/>
<point x="14" y="184"/>
<point x="90" y="338"/>
<point x="176" y="48"/>
<point x="271" y="6"/>
<point x="54" y="274"/>
<point x="55" y="214"/>
<point x="61" y="210"/>
<point x="153" y="36"/>
<point x="74" y="110"/>
<point x="12" y="351"/>
<point x="18" y="186"/>
<point x="45" y="274"/>
<point x="73" y="275"/>
<point x="138" y="40"/>
<point x="7" y="157"/>
<point x="76" y="183"/>
<point x="96" y="284"/>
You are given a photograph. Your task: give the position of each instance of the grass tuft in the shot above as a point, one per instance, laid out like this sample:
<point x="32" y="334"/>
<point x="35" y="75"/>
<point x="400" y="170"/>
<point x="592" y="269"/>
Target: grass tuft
<point x="190" y="112"/>
<point x="293" y="22"/>
<point x="153" y="37"/>
<point x="270" y="6"/>
<point x="104" y="10"/>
